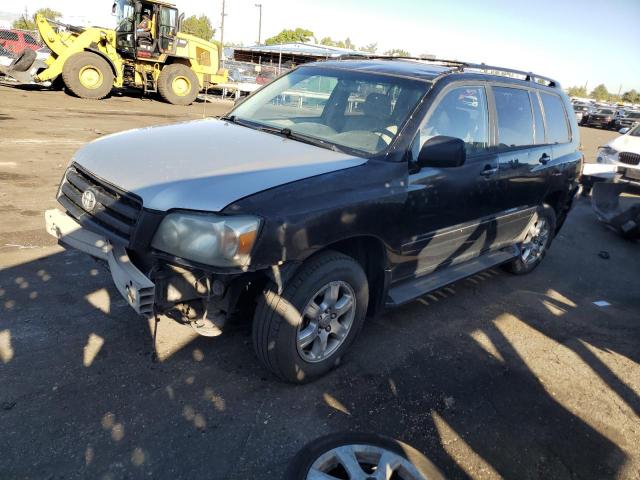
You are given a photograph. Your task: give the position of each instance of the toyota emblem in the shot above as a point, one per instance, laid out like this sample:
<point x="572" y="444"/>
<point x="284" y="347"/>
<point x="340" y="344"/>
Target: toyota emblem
<point x="89" y="200"/>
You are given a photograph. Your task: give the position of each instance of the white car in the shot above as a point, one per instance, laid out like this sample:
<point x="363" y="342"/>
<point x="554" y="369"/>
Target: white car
<point x="624" y="152"/>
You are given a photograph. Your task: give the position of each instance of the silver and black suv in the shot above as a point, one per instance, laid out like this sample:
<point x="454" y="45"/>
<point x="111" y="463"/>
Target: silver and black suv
<point x="338" y="190"/>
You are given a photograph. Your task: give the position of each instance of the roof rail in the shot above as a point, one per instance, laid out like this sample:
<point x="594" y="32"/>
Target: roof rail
<point x="465" y="66"/>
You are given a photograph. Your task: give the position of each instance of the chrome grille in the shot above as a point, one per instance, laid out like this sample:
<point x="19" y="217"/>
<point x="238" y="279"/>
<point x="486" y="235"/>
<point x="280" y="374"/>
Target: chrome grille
<point x="629" y="158"/>
<point x="115" y="213"/>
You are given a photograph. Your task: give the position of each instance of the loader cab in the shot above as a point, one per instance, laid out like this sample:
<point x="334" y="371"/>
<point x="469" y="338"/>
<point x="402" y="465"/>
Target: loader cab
<point x="145" y="30"/>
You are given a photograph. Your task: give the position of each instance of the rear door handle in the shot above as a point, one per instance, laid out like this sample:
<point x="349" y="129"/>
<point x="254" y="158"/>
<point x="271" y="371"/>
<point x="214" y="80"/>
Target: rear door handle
<point x="544" y="159"/>
<point x="488" y="171"/>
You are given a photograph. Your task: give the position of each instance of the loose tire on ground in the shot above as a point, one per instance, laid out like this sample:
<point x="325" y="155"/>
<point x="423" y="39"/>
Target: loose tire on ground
<point x="276" y="333"/>
<point x="88" y="75"/>
<point x="24" y="61"/>
<point x="520" y="265"/>
<point x="178" y="84"/>
<point x="300" y="467"/>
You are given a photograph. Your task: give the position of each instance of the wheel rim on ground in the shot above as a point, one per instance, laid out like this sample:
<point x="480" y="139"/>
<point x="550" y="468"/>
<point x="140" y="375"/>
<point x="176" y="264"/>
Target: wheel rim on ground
<point x="326" y="321"/>
<point x="90" y="77"/>
<point x="362" y="462"/>
<point x="536" y="241"/>
<point x="181" y="86"/>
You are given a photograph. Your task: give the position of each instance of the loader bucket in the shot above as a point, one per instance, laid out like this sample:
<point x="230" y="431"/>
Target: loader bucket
<point x="605" y="201"/>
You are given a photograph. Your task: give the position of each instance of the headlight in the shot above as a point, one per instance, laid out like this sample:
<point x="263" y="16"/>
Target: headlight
<point x="209" y="239"/>
<point x="607" y="154"/>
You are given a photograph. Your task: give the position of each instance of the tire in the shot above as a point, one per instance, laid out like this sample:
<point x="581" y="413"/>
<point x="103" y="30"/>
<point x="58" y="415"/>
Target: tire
<point x="523" y="265"/>
<point x="88" y="75"/>
<point x="278" y="320"/>
<point x="24" y="61"/>
<point x="178" y="84"/>
<point x="419" y="467"/>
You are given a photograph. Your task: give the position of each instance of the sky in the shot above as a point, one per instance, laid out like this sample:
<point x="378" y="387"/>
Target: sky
<point x="573" y="41"/>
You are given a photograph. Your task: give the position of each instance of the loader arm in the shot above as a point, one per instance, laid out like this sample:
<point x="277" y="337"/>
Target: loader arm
<point x="66" y="44"/>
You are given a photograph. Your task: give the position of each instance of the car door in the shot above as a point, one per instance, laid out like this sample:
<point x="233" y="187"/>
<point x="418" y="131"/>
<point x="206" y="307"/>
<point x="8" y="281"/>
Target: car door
<point x="450" y="211"/>
<point x="522" y="158"/>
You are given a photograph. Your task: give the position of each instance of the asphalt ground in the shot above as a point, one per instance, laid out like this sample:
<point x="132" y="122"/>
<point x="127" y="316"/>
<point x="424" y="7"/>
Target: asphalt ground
<point x="495" y="376"/>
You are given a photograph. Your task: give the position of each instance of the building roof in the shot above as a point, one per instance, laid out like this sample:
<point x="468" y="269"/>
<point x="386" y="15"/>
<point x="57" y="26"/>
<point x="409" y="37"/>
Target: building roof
<point x="302" y="49"/>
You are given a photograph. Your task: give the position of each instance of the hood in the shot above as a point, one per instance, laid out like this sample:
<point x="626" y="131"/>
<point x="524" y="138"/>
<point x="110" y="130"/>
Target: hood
<point x="205" y="164"/>
<point x="626" y="143"/>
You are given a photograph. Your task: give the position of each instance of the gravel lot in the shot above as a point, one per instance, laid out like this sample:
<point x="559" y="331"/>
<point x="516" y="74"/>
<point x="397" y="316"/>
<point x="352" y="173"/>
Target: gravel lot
<point x="496" y="376"/>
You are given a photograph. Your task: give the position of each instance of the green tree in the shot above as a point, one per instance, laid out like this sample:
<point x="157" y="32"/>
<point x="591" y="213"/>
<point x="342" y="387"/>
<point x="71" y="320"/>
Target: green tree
<point x="329" y="42"/>
<point x="600" y="92"/>
<point x="371" y="48"/>
<point x="25" y="22"/>
<point x="577" y="91"/>
<point x="397" y="52"/>
<point x="199" y="27"/>
<point x="349" y="44"/>
<point x="632" y="96"/>
<point x="290" y="36"/>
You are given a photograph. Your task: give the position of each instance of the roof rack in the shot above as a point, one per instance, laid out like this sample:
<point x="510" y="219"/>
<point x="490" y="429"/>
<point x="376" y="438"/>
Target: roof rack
<point x="462" y="66"/>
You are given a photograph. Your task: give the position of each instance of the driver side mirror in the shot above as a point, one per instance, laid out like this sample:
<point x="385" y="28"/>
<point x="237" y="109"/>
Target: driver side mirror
<point x="442" y="152"/>
<point x="624" y="130"/>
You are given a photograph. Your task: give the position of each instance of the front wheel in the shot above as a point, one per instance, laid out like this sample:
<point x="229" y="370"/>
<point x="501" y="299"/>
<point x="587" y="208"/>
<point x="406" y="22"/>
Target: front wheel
<point x="88" y="75"/>
<point x="302" y="333"/>
<point x="536" y="241"/>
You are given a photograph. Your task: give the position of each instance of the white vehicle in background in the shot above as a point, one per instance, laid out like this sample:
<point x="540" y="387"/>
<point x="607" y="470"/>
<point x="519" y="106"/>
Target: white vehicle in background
<point x="624" y="153"/>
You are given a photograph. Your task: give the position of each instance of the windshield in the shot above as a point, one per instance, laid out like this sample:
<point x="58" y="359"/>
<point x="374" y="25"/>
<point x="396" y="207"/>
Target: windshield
<point x="635" y="132"/>
<point x="605" y="111"/>
<point x="124" y="15"/>
<point x="580" y="108"/>
<point x="357" y="110"/>
<point x="633" y="115"/>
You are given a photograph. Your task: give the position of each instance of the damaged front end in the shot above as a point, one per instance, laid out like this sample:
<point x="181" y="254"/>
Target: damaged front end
<point x="624" y="218"/>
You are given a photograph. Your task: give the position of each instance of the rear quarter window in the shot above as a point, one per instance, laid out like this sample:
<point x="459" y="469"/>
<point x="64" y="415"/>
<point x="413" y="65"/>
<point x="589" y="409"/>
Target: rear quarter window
<point x="556" y="118"/>
<point x="29" y="39"/>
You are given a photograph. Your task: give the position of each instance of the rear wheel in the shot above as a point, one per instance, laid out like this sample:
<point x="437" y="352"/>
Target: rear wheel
<point x="536" y="242"/>
<point x="302" y="333"/>
<point x="178" y="84"/>
<point x="88" y="75"/>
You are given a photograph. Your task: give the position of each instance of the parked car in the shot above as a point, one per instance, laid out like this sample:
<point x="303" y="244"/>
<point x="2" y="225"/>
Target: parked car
<point x="628" y="119"/>
<point x="581" y="110"/>
<point x="16" y="41"/>
<point x="312" y="217"/>
<point x="602" y="117"/>
<point x="624" y="152"/>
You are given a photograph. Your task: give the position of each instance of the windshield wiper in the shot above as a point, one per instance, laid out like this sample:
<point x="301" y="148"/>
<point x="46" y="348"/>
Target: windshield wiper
<point x="311" y="140"/>
<point x="284" y="132"/>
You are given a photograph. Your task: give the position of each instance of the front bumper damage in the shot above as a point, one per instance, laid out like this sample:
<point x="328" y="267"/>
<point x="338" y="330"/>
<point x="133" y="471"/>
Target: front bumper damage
<point x="134" y="286"/>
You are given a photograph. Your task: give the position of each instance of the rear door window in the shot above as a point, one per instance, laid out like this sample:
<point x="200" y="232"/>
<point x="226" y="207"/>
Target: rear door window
<point x="515" y="119"/>
<point x="538" y="122"/>
<point x="556" y="118"/>
<point x="6" y="35"/>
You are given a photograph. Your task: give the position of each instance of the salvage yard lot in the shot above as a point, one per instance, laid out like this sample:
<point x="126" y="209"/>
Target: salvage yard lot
<point x="519" y="377"/>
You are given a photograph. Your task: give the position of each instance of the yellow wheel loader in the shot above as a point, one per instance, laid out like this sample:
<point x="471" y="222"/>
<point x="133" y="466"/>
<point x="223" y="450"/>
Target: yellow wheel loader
<point x="146" y="50"/>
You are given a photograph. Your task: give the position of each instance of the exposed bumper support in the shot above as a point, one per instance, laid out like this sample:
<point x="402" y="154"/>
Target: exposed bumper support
<point x="133" y="285"/>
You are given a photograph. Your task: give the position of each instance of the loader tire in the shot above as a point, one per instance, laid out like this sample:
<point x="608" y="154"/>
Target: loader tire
<point x="88" y="75"/>
<point x="24" y="61"/>
<point x="178" y="84"/>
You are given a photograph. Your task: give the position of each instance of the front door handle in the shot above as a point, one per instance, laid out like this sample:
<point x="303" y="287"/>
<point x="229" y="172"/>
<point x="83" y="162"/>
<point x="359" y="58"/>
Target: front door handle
<point x="544" y="159"/>
<point x="488" y="171"/>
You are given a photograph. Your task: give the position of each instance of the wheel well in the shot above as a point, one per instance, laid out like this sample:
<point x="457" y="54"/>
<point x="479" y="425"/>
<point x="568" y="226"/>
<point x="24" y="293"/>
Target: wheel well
<point x="371" y="254"/>
<point x="556" y="201"/>
<point x="108" y="60"/>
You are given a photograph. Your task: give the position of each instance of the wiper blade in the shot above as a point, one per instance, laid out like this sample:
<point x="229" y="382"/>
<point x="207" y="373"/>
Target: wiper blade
<point x="311" y="140"/>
